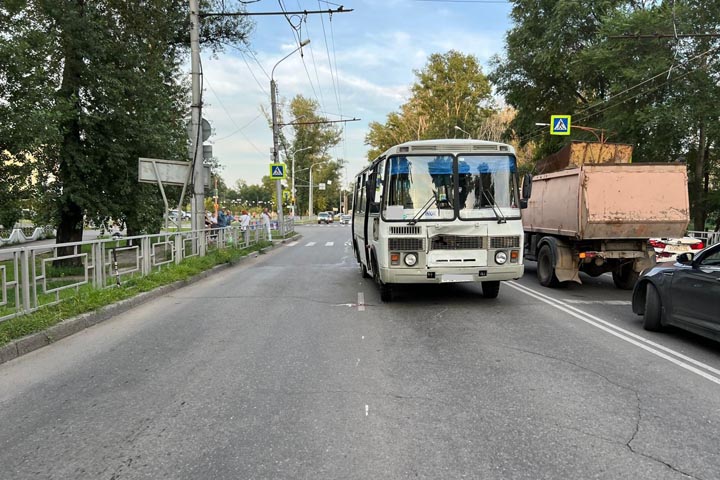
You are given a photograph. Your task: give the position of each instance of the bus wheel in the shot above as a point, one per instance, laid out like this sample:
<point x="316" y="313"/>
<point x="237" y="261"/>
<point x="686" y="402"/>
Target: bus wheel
<point x="490" y="289"/>
<point x="363" y="271"/>
<point x="386" y="293"/>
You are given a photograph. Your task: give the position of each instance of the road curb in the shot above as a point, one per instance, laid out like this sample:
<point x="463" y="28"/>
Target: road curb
<point x="73" y="325"/>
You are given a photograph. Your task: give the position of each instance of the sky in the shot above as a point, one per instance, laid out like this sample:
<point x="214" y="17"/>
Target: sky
<point x="358" y="64"/>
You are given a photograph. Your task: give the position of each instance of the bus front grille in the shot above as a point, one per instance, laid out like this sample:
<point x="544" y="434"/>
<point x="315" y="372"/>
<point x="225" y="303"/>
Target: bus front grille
<point x="455" y="242"/>
<point x="405" y="244"/>
<point x="504" y="242"/>
<point x="406" y="230"/>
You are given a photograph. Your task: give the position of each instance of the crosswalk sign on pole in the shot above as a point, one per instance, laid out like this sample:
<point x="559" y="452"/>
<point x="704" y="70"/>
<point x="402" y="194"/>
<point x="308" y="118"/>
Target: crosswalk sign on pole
<point x="277" y="171"/>
<point x="560" y="125"/>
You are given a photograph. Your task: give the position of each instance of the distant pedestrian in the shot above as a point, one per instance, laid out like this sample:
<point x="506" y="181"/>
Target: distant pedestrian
<point x="229" y="218"/>
<point x="244" y="220"/>
<point x="265" y="221"/>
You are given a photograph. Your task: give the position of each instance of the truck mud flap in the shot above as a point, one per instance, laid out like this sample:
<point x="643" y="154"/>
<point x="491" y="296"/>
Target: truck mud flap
<point x="566" y="268"/>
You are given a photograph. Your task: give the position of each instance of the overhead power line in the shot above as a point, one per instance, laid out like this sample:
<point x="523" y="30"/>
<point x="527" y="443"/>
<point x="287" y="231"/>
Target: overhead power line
<point x="340" y="9"/>
<point x="637" y="36"/>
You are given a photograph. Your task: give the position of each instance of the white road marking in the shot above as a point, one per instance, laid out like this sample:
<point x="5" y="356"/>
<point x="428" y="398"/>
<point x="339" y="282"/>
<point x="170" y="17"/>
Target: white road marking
<point x="329" y="244"/>
<point x="292" y="244"/>
<point x="358" y="362"/>
<point x="310" y="244"/>
<point x="367" y="409"/>
<point x="361" y="302"/>
<point x="598" y="302"/>
<point x="632" y="338"/>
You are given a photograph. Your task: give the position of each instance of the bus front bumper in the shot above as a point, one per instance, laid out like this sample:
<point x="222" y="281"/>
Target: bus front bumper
<point x="451" y="275"/>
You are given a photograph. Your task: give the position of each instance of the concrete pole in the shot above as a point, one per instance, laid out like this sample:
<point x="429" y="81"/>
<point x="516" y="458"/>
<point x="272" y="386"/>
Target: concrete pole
<point x="310" y="199"/>
<point x="292" y="188"/>
<point x="276" y="140"/>
<point x="197" y="220"/>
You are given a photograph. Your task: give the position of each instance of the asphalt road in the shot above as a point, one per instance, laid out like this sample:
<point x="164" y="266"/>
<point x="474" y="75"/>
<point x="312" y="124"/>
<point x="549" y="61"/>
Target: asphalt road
<point x="290" y="367"/>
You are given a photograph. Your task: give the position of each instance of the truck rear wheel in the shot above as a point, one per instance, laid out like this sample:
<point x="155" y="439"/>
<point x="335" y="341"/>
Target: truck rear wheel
<point x="546" y="268"/>
<point x="625" y="276"/>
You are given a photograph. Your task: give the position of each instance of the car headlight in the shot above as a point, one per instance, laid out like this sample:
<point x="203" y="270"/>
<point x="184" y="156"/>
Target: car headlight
<point x="410" y="259"/>
<point x="500" y="257"/>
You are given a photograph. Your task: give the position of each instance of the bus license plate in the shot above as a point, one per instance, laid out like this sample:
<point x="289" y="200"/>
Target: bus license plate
<point x="450" y="277"/>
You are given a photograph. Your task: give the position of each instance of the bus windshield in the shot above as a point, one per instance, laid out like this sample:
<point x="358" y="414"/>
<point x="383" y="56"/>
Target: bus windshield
<point x="487" y="187"/>
<point x="487" y="183"/>
<point x="414" y="182"/>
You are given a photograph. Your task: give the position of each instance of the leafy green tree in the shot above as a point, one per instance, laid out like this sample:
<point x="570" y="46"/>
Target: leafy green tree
<point x="450" y="91"/>
<point x="312" y="139"/>
<point x="655" y="93"/>
<point x="88" y="87"/>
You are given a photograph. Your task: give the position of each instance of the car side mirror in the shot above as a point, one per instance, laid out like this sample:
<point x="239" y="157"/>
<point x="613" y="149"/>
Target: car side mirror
<point x="526" y="187"/>
<point x="686" y="257"/>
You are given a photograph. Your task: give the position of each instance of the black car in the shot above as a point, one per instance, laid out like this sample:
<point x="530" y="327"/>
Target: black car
<point x="685" y="294"/>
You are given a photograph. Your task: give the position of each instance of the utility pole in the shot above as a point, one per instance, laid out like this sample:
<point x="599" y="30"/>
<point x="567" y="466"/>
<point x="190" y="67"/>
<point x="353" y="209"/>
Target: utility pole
<point x="197" y="220"/>
<point x="276" y="136"/>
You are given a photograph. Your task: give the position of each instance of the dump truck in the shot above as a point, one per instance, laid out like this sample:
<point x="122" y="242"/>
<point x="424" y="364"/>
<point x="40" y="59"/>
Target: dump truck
<point x="590" y="209"/>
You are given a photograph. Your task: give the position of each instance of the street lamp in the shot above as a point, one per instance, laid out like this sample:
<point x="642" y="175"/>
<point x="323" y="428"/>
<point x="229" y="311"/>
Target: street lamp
<point x="292" y="191"/>
<point x="466" y="133"/>
<point x="310" y="202"/>
<point x="275" y="129"/>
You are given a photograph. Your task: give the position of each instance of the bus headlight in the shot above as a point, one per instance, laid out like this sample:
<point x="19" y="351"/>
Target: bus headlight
<point x="500" y="257"/>
<point x="410" y="259"/>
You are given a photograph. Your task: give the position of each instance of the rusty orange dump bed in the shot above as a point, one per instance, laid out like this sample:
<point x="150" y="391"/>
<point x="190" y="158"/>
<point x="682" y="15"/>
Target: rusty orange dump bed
<point x="610" y="201"/>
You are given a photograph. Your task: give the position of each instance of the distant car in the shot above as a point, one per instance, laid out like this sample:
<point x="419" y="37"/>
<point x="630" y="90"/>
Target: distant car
<point x="324" y="217"/>
<point x="684" y="294"/>
<point x="183" y="214"/>
<point x="667" y="249"/>
<point x="345" y="219"/>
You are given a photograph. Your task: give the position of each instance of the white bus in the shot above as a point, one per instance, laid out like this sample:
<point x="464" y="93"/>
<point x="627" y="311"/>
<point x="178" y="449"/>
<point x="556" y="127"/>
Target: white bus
<point x="438" y="211"/>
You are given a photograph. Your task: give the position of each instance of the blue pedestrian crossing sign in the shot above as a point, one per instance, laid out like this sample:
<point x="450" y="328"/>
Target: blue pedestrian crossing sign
<point x="277" y="171"/>
<point x="560" y="125"/>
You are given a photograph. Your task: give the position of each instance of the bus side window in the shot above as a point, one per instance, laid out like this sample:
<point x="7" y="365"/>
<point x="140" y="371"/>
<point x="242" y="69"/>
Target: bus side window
<point x="361" y="194"/>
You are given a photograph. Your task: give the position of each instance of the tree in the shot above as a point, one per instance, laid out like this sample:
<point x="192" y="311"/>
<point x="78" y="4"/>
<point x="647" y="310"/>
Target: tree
<point x="450" y="91"/>
<point x="655" y="93"/>
<point x="312" y="138"/>
<point x="88" y="87"/>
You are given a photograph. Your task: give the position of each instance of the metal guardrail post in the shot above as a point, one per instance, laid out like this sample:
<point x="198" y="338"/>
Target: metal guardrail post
<point x="202" y="241"/>
<point x="178" y="248"/>
<point x="24" y="279"/>
<point x="98" y="262"/>
<point x="146" y="248"/>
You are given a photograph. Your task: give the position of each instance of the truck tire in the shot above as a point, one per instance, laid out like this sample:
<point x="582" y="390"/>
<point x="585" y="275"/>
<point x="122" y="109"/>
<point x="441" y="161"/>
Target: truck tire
<point x="625" y="277"/>
<point x="546" y="268"/>
<point x="652" y="319"/>
<point x="490" y="289"/>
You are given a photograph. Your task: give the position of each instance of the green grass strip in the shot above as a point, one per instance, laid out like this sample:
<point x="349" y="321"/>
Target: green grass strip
<point x="87" y="299"/>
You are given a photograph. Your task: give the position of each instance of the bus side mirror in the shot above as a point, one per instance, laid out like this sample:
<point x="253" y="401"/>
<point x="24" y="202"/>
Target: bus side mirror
<point x="374" y="207"/>
<point x="523" y="203"/>
<point x="526" y="188"/>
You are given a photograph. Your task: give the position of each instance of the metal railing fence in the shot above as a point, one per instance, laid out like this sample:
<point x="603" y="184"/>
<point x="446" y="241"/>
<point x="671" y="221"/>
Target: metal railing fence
<point x="36" y="276"/>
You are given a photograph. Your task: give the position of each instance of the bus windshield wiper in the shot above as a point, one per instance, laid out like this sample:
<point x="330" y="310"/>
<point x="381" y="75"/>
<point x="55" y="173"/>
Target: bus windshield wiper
<point x="495" y="208"/>
<point x="424" y="209"/>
